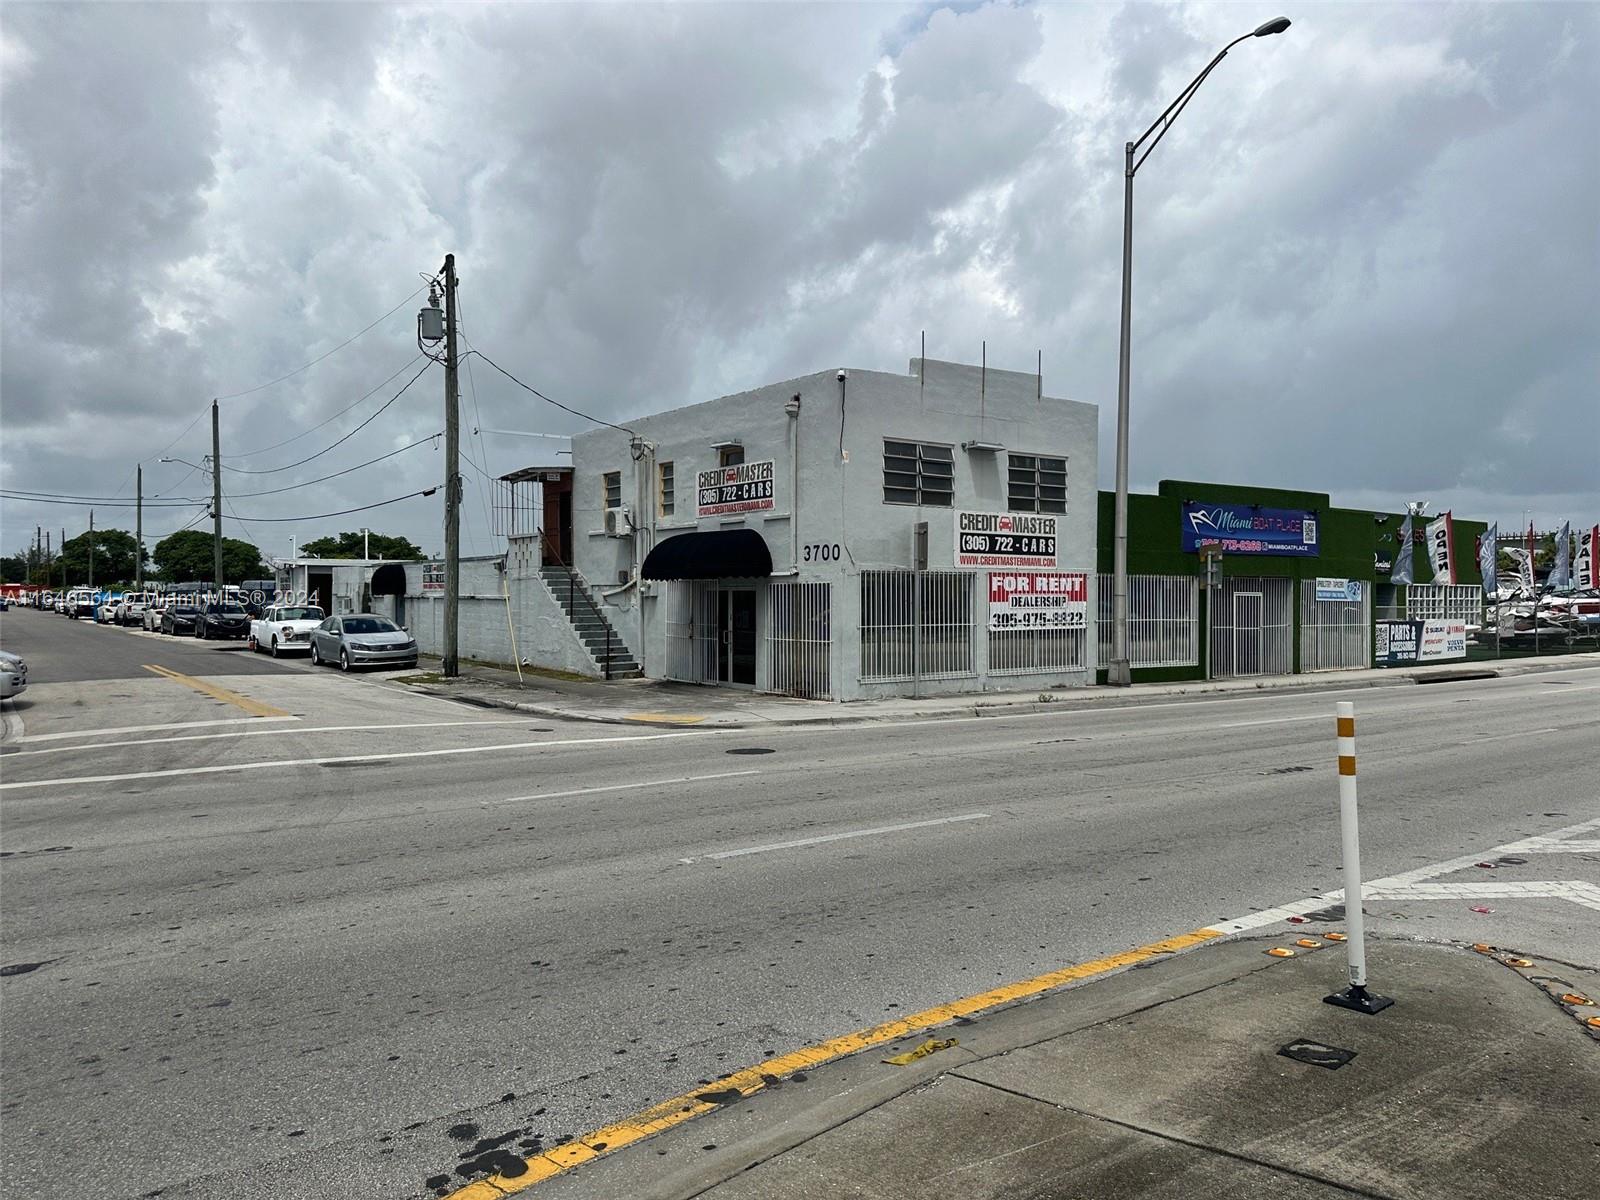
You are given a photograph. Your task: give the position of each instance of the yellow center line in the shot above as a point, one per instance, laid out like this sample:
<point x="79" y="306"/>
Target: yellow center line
<point x="254" y="707"/>
<point x="678" y="1109"/>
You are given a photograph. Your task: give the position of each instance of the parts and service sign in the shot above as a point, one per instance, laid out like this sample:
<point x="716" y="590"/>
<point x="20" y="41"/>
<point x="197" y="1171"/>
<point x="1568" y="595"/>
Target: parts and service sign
<point x="1038" y="600"/>
<point x="1006" y="540"/>
<point x="725" y="490"/>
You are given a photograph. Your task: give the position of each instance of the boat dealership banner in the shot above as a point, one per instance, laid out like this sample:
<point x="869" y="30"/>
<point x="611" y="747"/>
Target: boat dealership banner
<point x="1038" y="600"/>
<point x="1488" y="559"/>
<point x="1586" y="567"/>
<point x="1407" y="643"/>
<point x="1402" y="559"/>
<point x="1441" y="540"/>
<point x="1250" y="529"/>
<point x="1561" y="570"/>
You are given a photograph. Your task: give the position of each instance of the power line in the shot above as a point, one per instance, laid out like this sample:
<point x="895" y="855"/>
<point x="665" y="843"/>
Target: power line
<point x="344" y="511"/>
<point x="575" y="412"/>
<point x="97" y="501"/>
<point x="329" y="354"/>
<point x="341" y="441"/>
<point x="330" y="420"/>
<point x="294" y="487"/>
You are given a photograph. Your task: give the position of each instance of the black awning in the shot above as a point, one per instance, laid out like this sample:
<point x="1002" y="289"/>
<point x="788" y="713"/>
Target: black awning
<point x="714" y="554"/>
<point x="389" y="580"/>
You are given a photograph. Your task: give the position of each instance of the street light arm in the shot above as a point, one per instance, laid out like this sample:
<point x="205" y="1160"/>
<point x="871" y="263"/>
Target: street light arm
<point x="1165" y="120"/>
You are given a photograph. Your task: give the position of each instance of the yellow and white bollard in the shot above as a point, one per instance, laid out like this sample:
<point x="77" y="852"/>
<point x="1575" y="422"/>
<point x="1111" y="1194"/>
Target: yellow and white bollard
<point x="1356" y="995"/>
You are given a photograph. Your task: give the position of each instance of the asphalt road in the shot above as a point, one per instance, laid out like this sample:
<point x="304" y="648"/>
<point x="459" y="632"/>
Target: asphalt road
<point x="283" y="957"/>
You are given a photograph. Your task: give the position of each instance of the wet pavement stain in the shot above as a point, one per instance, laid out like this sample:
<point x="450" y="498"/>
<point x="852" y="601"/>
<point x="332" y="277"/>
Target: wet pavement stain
<point x="726" y="1096"/>
<point x="463" y="1132"/>
<point x="24" y="968"/>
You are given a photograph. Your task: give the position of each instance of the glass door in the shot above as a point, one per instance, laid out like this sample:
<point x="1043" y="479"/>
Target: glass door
<point x="736" y="636"/>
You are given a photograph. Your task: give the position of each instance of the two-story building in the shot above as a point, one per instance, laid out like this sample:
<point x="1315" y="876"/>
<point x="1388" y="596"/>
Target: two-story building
<point x="847" y="534"/>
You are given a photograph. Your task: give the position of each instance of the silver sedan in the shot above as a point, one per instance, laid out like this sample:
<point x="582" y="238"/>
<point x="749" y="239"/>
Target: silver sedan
<point x="360" y="640"/>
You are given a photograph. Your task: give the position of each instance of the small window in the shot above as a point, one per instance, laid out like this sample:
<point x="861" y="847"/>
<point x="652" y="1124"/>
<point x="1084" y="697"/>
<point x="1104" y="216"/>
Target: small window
<point x="918" y="473"/>
<point x="613" y="482"/>
<point x="1036" y="484"/>
<point x="667" y="500"/>
<point x="730" y="456"/>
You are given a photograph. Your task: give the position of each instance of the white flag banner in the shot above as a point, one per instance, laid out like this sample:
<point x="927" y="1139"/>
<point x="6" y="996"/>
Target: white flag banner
<point x="1586" y="567"/>
<point x="1561" y="569"/>
<point x="1488" y="552"/>
<point x="1401" y="572"/>
<point x="1441" y="538"/>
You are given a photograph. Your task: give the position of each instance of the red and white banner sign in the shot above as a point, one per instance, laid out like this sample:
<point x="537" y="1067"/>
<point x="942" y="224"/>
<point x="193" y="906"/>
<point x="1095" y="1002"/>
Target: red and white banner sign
<point x="1586" y="567"/>
<point x="724" y="491"/>
<point x="1442" y="548"/>
<point x="1038" y="600"/>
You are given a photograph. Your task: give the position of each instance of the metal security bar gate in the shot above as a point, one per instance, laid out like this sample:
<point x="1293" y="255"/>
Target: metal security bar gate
<point x="1252" y="626"/>
<point x="799" y="638"/>
<point x="1335" y="634"/>
<point x="1163" y="620"/>
<point x="916" y="625"/>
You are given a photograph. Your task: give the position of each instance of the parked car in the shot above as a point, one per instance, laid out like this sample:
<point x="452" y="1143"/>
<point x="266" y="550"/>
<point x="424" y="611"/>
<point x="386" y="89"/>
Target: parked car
<point x="152" y="614"/>
<point x="13" y="675"/>
<point x="285" y="627"/>
<point x="225" y="620"/>
<point x="105" y="611"/>
<point x="80" y="604"/>
<point x="132" y="610"/>
<point x="179" y="618"/>
<point x="362" y="639"/>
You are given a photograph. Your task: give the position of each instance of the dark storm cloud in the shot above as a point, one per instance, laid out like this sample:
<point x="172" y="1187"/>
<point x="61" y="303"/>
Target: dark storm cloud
<point x="1365" y="258"/>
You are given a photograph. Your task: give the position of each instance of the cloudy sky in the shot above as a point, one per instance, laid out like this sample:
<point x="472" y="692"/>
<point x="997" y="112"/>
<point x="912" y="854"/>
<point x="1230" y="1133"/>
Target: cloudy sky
<point x="1366" y="258"/>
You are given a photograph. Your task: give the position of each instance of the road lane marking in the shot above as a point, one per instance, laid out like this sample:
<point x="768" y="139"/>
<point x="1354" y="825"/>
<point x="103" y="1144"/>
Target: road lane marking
<point x="254" y="707"/>
<point x="1576" y="890"/>
<point x="1406" y="879"/>
<point x="1584" y="687"/>
<point x="836" y="837"/>
<point x="747" y="1082"/>
<point x="1501" y="737"/>
<point x="1271" y="721"/>
<point x="378" y="756"/>
<point x="84" y="733"/>
<point x="239" y="733"/>
<point x="622" y="787"/>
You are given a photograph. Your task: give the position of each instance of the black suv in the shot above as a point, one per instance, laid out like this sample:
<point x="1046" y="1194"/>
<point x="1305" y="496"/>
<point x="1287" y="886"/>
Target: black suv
<point x="223" y="621"/>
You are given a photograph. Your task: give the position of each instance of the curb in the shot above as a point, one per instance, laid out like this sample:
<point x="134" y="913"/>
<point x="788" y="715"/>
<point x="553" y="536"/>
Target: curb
<point x="1293" y="684"/>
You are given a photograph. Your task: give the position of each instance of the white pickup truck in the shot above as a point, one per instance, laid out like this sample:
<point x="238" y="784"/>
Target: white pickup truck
<point x="285" y="627"/>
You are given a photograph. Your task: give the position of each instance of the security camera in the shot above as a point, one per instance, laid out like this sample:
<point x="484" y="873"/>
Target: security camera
<point x="842" y="376"/>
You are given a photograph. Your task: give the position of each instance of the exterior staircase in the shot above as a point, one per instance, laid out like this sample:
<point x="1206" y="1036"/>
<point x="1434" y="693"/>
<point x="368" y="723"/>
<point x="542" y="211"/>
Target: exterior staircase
<point x="588" y="620"/>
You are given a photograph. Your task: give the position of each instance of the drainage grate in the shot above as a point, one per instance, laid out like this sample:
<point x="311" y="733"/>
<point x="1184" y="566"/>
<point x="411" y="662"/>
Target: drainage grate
<point x="1316" y="1054"/>
<point x="750" y="750"/>
<point x="365" y="762"/>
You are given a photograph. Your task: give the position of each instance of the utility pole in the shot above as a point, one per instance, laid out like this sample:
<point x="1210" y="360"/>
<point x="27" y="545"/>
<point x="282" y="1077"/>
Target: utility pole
<point x="216" y="501"/>
<point x="91" y="549"/>
<point x="452" y="475"/>
<point x="138" y="530"/>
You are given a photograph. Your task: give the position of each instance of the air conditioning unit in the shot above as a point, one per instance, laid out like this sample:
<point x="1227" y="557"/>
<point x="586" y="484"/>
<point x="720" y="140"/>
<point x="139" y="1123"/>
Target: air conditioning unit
<point x="619" y="521"/>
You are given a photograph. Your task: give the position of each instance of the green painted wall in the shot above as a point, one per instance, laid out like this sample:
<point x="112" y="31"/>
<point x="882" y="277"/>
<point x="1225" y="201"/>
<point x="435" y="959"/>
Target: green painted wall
<point x="1350" y="539"/>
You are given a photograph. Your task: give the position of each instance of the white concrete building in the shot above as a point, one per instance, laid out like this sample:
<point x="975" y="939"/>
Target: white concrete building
<point x="845" y="534"/>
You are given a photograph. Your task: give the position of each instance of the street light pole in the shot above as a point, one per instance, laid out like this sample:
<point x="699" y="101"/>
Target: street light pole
<point x="1119" y="672"/>
<point x="216" y="500"/>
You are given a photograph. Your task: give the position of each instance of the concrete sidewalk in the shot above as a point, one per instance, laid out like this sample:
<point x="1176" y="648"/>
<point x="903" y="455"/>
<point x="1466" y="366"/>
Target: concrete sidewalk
<point x="1169" y="1081"/>
<point x="658" y="702"/>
